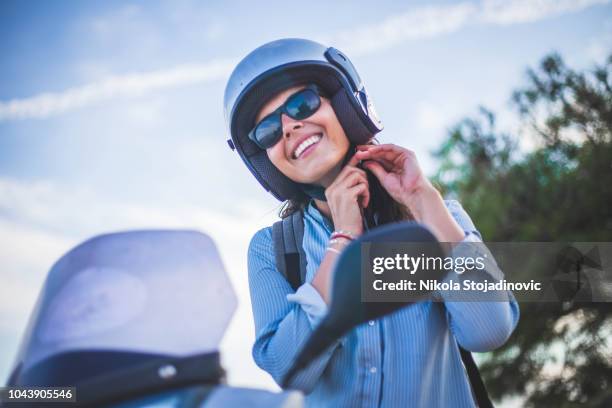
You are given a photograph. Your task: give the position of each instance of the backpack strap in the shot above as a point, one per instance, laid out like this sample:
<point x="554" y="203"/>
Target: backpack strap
<point x="478" y="387"/>
<point x="287" y="235"/>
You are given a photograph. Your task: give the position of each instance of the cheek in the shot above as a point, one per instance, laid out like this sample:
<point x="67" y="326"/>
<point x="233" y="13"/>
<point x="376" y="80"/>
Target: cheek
<point x="326" y="113"/>
<point x="327" y="118"/>
<point x="276" y="154"/>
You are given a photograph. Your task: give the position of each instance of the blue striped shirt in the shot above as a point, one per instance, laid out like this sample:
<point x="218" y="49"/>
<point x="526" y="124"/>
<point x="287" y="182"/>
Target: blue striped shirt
<point x="409" y="358"/>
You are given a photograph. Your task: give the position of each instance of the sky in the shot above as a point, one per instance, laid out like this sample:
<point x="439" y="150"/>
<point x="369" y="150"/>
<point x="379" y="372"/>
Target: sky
<point x="111" y="114"/>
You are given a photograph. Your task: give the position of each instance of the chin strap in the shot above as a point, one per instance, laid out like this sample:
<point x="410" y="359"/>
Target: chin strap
<point x="317" y="191"/>
<point x="314" y="191"/>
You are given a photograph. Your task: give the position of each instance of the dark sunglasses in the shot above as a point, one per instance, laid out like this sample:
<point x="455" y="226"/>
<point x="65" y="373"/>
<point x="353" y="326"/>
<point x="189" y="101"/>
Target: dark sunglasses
<point x="298" y="106"/>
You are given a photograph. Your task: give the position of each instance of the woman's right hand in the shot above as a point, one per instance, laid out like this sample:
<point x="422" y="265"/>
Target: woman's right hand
<point x="348" y="193"/>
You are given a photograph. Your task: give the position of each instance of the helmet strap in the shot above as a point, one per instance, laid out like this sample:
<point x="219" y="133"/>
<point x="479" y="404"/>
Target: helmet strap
<point x="314" y="191"/>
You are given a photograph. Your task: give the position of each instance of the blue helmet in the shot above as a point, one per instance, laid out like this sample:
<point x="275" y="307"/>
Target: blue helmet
<point x="281" y="64"/>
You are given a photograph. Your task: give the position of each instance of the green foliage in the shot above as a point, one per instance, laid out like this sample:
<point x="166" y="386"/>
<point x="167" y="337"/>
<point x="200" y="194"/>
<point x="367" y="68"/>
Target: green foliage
<point x="561" y="190"/>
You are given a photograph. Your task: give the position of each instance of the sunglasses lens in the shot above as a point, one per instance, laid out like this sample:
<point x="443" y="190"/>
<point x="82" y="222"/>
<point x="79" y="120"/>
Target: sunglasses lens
<point x="303" y="104"/>
<point x="299" y="106"/>
<point x="268" y="131"/>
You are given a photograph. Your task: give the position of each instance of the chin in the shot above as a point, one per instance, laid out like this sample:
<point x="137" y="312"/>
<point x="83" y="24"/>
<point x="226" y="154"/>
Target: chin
<point x="319" y="168"/>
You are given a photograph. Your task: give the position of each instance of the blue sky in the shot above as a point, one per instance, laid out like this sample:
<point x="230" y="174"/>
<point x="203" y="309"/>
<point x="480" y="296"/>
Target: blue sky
<point x="111" y="113"/>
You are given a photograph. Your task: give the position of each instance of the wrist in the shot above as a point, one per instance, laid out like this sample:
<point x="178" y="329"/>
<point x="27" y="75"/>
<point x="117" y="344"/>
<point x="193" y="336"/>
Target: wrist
<point x="420" y="198"/>
<point x="346" y="234"/>
<point x="338" y="243"/>
<point x="352" y="231"/>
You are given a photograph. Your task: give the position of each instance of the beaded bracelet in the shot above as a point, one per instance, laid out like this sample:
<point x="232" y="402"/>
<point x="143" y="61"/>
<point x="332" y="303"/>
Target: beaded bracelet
<point x="343" y="234"/>
<point x="337" y="241"/>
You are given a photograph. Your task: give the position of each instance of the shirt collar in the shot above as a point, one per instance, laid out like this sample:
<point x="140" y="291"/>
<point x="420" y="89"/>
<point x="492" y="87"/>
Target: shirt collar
<point x="314" y="212"/>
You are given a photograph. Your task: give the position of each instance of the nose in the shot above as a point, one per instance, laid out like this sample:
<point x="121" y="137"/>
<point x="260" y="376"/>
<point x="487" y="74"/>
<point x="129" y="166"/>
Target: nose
<point x="290" y="124"/>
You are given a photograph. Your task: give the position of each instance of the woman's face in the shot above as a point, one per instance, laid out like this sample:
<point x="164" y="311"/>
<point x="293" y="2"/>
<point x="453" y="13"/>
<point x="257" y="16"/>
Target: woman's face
<point x="320" y="162"/>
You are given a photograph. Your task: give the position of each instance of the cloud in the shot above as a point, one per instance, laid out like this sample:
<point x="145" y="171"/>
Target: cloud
<point x="423" y="22"/>
<point x="51" y="207"/>
<point x="420" y="23"/>
<point x="430" y="21"/>
<point x="525" y="11"/>
<point x="26" y="255"/>
<point x="48" y="104"/>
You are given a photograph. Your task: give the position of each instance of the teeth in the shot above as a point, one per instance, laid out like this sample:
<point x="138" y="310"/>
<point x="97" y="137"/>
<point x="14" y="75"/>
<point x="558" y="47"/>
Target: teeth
<point x="308" y="142"/>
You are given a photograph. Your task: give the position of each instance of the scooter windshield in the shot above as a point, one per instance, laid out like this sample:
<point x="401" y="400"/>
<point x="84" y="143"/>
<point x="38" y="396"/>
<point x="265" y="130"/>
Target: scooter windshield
<point x="159" y="293"/>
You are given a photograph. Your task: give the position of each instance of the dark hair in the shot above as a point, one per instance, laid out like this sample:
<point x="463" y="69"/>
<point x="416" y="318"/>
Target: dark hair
<point x="383" y="209"/>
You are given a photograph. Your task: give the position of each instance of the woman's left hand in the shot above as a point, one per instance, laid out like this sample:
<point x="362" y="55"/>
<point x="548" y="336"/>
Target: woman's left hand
<point x="399" y="173"/>
<point x="396" y="168"/>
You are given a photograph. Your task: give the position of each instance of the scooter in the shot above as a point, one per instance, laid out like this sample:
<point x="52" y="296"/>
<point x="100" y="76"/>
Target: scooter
<point x="134" y="319"/>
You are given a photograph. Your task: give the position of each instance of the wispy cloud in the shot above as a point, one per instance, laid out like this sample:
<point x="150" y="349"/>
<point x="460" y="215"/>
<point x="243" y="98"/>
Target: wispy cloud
<point x="419" y="23"/>
<point x="431" y="21"/>
<point x="47" y="104"/>
<point x="526" y="11"/>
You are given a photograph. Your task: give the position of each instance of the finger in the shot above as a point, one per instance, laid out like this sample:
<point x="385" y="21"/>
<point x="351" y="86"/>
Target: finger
<point x="355" y="178"/>
<point x="376" y="168"/>
<point x="366" y="155"/>
<point x="358" y="191"/>
<point x="365" y="147"/>
<point x="344" y="187"/>
<point x="347" y="171"/>
<point x="362" y="155"/>
<point x="392" y="152"/>
<point x="388" y="154"/>
<point x="379" y="156"/>
<point x="389" y="147"/>
<point x="387" y="165"/>
<point x="364" y="152"/>
<point x="353" y="161"/>
<point x="365" y="201"/>
<point x="344" y="173"/>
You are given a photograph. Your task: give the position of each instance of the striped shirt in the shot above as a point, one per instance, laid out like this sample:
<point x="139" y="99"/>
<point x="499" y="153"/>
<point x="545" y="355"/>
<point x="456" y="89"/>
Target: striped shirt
<point x="407" y="359"/>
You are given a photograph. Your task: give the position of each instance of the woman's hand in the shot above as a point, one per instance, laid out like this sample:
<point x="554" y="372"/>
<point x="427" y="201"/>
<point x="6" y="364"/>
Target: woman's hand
<point x="399" y="173"/>
<point x="348" y="193"/>
<point x="396" y="168"/>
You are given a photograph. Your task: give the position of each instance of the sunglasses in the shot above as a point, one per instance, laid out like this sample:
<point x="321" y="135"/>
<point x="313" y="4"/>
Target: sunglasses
<point x="298" y="106"/>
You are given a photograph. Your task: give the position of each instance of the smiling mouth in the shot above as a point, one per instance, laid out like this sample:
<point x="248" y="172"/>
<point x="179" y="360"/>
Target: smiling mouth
<point x="312" y="140"/>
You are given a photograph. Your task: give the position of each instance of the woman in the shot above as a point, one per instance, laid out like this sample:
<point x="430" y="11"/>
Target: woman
<point x="303" y="123"/>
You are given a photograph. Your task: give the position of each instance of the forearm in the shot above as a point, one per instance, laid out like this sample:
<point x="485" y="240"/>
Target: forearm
<point x="480" y="321"/>
<point x="322" y="279"/>
<point x="277" y="346"/>
<point x="428" y="208"/>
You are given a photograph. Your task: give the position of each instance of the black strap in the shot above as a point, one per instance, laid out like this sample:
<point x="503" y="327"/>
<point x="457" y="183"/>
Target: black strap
<point x="288" y="235"/>
<point x="478" y="387"/>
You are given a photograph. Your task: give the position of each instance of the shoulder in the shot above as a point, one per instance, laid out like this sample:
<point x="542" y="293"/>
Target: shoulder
<point x="260" y="255"/>
<point x="455" y="208"/>
<point x="261" y="242"/>
<point x="461" y="216"/>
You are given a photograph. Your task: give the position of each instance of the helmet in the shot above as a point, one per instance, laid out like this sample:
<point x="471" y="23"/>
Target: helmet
<point x="278" y="65"/>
